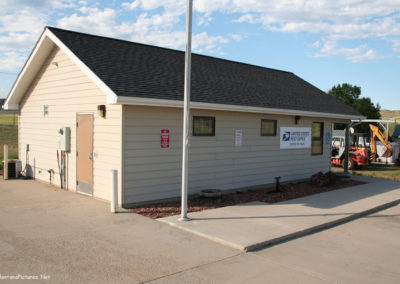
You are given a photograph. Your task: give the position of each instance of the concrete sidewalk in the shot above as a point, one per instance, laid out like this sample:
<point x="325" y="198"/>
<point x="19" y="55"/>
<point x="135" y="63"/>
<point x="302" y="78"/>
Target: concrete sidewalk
<point x="255" y="225"/>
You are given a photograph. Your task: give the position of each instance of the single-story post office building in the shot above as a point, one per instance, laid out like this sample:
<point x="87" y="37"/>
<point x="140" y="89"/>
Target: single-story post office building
<point x="113" y="104"/>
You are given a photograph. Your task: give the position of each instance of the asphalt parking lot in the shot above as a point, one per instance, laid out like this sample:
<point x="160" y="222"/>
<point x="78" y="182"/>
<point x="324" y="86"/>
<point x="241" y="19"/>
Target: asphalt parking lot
<point x="65" y="237"/>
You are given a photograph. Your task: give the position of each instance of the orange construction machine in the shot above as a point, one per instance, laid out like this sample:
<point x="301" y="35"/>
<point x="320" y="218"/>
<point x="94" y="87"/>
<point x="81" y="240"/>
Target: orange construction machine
<point x="376" y="133"/>
<point x="358" y="151"/>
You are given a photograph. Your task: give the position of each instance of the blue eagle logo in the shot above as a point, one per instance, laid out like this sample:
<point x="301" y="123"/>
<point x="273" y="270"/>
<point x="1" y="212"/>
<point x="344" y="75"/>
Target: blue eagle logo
<point x="286" y="136"/>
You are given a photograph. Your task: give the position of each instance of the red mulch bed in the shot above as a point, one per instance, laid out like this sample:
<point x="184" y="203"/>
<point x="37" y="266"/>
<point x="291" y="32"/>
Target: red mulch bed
<point x="268" y="195"/>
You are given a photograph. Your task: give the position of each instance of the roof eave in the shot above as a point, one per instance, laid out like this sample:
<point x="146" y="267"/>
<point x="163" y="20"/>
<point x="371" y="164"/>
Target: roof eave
<point x="224" y="107"/>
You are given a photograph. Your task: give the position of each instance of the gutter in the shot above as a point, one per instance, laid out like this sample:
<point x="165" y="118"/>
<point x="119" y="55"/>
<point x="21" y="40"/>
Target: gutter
<point x="223" y="107"/>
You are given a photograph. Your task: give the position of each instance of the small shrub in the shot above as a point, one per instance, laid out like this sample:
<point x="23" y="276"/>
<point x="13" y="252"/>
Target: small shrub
<point x="321" y="179"/>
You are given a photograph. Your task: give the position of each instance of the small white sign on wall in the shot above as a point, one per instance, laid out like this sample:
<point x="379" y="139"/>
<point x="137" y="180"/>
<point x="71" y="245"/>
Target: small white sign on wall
<point x="238" y="137"/>
<point x="295" y="137"/>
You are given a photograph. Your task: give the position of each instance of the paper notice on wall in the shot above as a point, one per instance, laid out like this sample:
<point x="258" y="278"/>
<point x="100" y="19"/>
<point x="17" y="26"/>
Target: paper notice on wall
<point x="238" y="137"/>
<point x="295" y="137"/>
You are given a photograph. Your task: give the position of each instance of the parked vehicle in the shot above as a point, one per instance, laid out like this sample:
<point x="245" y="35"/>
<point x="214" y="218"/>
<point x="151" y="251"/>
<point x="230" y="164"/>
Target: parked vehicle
<point x="359" y="153"/>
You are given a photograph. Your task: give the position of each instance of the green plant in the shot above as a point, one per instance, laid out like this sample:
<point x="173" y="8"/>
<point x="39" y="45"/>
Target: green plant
<point x="9" y="136"/>
<point x="12" y="156"/>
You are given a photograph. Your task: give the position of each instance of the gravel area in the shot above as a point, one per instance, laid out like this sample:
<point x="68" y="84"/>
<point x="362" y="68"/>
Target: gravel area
<point x="268" y="195"/>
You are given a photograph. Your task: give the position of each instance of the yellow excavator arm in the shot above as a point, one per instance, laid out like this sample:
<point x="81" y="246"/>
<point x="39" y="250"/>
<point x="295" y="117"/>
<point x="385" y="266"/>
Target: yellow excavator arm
<point x="376" y="133"/>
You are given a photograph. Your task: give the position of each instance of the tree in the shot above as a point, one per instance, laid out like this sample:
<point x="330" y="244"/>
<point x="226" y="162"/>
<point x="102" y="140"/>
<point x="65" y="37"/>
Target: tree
<point x="350" y="95"/>
<point x="346" y="93"/>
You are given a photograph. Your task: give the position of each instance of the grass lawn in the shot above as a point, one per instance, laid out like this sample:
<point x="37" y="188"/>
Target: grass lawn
<point x="8" y="118"/>
<point x="9" y="136"/>
<point x="376" y="171"/>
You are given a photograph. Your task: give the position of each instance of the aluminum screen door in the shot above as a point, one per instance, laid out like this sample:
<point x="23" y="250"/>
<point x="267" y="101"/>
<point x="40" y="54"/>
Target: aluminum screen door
<point x="84" y="153"/>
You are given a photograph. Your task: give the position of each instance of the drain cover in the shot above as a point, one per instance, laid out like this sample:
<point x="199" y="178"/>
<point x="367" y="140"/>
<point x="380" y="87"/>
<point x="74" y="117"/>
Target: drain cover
<point x="210" y="193"/>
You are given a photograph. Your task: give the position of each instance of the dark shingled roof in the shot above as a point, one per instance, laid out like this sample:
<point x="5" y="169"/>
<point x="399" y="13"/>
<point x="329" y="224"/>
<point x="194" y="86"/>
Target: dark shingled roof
<point x="1" y="103"/>
<point x="139" y="70"/>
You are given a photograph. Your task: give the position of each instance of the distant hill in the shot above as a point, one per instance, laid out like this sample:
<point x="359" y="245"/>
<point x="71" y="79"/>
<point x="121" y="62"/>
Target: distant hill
<point x="391" y="114"/>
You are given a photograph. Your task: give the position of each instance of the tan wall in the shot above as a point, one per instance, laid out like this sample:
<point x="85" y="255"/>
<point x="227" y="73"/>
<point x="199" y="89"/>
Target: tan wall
<point x="68" y="91"/>
<point x="154" y="173"/>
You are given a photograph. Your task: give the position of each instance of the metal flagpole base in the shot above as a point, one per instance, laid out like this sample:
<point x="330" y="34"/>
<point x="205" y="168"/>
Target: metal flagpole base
<point x="184" y="219"/>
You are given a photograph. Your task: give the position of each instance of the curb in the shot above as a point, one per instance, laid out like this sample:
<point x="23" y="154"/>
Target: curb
<point x="318" y="228"/>
<point x="208" y="237"/>
<point x="295" y="235"/>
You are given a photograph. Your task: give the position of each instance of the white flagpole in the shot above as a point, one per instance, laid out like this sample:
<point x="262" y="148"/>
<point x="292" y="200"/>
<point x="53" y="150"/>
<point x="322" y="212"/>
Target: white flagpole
<point x="186" y="112"/>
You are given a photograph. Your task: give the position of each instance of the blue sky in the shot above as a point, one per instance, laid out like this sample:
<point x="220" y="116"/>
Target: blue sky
<point x="324" y="42"/>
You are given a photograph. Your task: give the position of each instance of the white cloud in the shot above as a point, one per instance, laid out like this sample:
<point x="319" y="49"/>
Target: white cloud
<point x="93" y="20"/>
<point x="237" y="37"/>
<point x="327" y="17"/>
<point x="162" y="22"/>
<point x="24" y="20"/>
<point x="335" y="20"/>
<point x="364" y="55"/>
<point x="17" y="41"/>
<point x="245" y="18"/>
<point x="317" y="44"/>
<point x="154" y="29"/>
<point x="7" y="5"/>
<point x="21" y="23"/>
<point x="177" y="6"/>
<point x="11" y="61"/>
<point x="203" y="41"/>
<point x="355" y="54"/>
<point x="396" y="45"/>
<point x="204" y="20"/>
<point x="209" y="7"/>
<point x="157" y="28"/>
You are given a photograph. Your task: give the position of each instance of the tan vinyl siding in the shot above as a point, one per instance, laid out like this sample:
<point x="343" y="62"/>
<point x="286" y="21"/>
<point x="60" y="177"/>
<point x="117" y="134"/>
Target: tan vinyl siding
<point x="68" y="91"/>
<point x="154" y="173"/>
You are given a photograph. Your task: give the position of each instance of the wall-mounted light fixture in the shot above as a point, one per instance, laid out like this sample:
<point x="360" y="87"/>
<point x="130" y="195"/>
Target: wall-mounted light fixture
<point x="296" y="119"/>
<point x="101" y="109"/>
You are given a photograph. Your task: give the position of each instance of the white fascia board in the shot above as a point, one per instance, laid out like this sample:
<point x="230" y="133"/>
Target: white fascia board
<point x="28" y="72"/>
<point x="11" y="106"/>
<point x="222" y="107"/>
<point x="374" y="120"/>
<point x="35" y="62"/>
<point x="111" y="96"/>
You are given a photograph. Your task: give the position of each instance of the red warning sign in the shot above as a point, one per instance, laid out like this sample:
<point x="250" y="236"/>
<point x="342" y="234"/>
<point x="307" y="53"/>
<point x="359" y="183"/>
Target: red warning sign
<point x="164" y="138"/>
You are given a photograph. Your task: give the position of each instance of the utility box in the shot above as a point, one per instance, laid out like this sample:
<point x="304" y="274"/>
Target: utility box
<point x="14" y="168"/>
<point x="65" y="139"/>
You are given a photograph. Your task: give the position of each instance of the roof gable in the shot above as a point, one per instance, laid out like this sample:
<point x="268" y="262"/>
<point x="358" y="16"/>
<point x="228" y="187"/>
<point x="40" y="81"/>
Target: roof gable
<point x="39" y="54"/>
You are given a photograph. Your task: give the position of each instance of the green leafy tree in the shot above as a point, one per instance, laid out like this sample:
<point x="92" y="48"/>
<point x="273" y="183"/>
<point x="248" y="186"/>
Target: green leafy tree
<point x="346" y="93"/>
<point x="350" y="95"/>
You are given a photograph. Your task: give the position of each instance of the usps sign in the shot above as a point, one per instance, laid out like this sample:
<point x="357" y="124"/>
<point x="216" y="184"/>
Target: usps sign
<point x="295" y="137"/>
